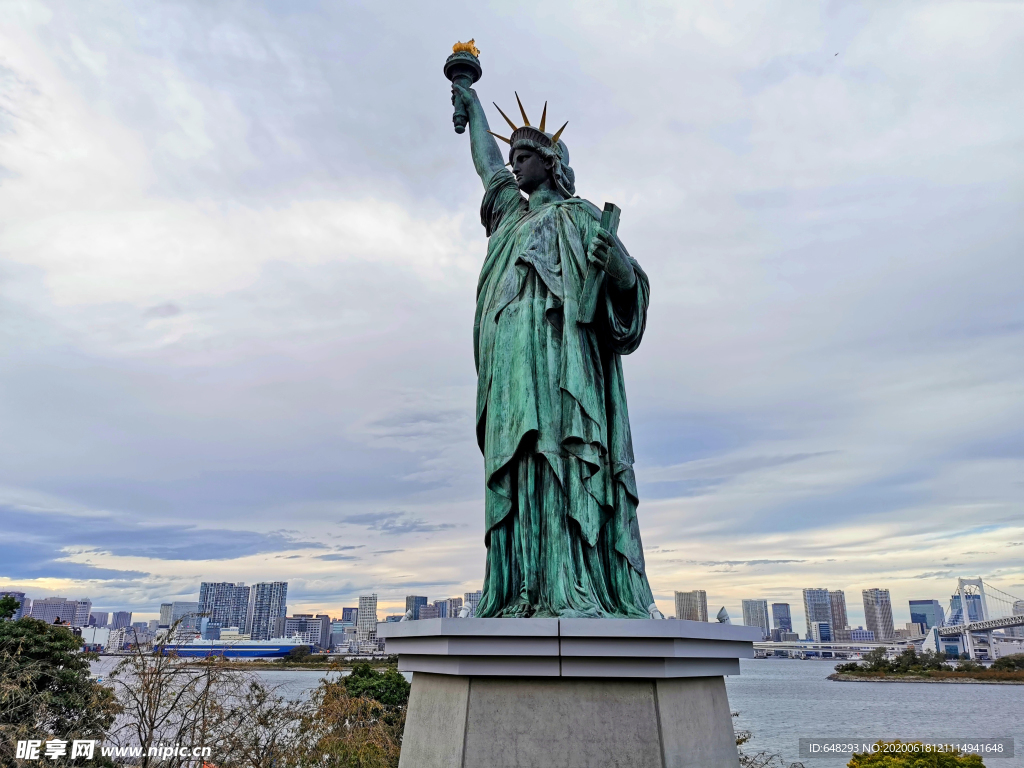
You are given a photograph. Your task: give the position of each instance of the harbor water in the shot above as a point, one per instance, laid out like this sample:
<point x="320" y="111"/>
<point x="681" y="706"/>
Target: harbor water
<point x="781" y="701"/>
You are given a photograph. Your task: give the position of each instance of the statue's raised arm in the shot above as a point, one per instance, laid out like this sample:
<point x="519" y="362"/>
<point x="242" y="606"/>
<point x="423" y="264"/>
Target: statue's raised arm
<point x="487" y="157"/>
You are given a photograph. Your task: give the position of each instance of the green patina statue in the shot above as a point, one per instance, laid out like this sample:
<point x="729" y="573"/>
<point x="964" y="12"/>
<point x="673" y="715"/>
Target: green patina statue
<point x="559" y="301"/>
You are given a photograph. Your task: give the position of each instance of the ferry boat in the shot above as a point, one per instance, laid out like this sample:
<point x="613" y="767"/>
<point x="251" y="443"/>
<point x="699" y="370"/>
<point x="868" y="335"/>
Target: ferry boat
<point x="234" y="649"/>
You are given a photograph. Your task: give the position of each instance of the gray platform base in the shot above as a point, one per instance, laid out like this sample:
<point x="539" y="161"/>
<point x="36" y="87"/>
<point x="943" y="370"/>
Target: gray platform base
<point x="459" y="721"/>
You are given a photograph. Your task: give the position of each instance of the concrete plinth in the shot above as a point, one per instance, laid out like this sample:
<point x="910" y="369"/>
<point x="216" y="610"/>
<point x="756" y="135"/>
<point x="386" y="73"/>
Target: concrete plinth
<point x="568" y="693"/>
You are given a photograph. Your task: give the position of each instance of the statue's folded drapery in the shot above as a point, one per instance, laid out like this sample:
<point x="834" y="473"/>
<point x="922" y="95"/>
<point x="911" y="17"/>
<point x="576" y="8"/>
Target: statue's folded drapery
<point x="561" y="530"/>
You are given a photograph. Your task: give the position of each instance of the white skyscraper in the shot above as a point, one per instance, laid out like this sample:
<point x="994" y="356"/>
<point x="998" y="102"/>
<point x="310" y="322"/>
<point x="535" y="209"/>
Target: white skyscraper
<point x="366" y="624"/>
<point x="878" y="613"/>
<point x="692" y="606"/>
<point x="755" y="614"/>
<point x="267" y="603"/>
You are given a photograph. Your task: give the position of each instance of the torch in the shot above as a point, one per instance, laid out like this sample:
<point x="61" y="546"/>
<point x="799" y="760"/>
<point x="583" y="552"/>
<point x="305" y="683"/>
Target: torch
<point x="463" y="68"/>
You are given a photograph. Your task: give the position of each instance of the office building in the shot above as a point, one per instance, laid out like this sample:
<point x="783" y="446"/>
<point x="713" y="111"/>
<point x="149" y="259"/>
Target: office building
<point x="72" y="612"/>
<point x="927" y="612"/>
<point x="413" y="603"/>
<point x="267" y="603"/>
<point x="187" y="613"/>
<point x="99" y="618"/>
<point x="430" y="612"/>
<point x="165" y="614"/>
<point x="154" y="625"/>
<point x="366" y="623"/>
<point x="692" y="606"/>
<point x="878" y="613"/>
<point x="449" y="608"/>
<point x="313" y="630"/>
<point x="23" y="608"/>
<point x="755" y="614"/>
<point x="349" y="615"/>
<point x="472" y="601"/>
<point x="861" y="635"/>
<point x="781" y="617"/>
<point x="837" y="608"/>
<point x="782" y="636"/>
<point x="120" y="619"/>
<point x="821" y="632"/>
<point x="817" y="608"/>
<point x="224" y="603"/>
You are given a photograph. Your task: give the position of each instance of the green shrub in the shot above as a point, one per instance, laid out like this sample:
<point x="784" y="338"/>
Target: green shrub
<point x="1009" y="663"/>
<point x="912" y="755"/>
<point x="388" y="688"/>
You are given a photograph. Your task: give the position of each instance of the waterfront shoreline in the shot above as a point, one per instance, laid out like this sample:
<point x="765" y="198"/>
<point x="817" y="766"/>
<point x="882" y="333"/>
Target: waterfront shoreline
<point x="915" y="679"/>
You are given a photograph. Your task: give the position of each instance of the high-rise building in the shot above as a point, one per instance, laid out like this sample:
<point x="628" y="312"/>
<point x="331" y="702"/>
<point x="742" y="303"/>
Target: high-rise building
<point x="49" y="609"/>
<point x="692" y="606"/>
<point x="165" y="614"/>
<point x="82" y="610"/>
<point x="413" y="603"/>
<point x="268" y="603"/>
<point x="817" y="608"/>
<point x="224" y="603"/>
<point x="154" y="625"/>
<point x="20" y="611"/>
<point x="187" y="612"/>
<point x="878" y="613"/>
<point x="430" y="612"/>
<point x="472" y="601"/>
<point x="366" y="625"/>
<point x="755" y="614"/>
<point x="837" y="608"/>
<point x="927" y="612"/>
<point x="449" y="608"/>
<point x="349" y="615"/>
<point x="781" y="617"/>
<point x="99" y="618"/>
<point x="120" y="619"/>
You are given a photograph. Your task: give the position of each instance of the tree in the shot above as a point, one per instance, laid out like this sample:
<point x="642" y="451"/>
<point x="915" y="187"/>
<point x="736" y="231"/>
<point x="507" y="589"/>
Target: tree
<point x="877" y="660"/>
<point x="1013" y="662"/>
<point x="913" y="755"/>
<point x="349" y="731"/>
<point x="389" y="688"/>
<point x="8" y="606"/>
<point x="46" y="691"/>
<point x="299" y="653"/>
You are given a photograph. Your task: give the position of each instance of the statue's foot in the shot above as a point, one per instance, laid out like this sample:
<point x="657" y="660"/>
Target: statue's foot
<point x="520" y="610"/>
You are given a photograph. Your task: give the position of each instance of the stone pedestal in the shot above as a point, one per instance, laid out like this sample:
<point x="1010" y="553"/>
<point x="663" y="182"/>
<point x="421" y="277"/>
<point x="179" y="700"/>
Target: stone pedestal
<point x="568" y="693"/>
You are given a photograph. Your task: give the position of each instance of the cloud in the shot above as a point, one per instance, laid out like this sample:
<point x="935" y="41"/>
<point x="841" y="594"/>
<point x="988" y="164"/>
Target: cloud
<point x="393" y="523"/>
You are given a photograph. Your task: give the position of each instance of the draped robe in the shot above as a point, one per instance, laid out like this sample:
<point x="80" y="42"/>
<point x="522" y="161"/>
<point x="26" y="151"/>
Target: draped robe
<point x="561" y="528"/>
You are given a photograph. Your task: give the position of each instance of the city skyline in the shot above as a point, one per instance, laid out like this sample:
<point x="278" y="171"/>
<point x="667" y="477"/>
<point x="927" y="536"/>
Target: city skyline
<point x="693" y="604"/>
<point x="221" y="284"/>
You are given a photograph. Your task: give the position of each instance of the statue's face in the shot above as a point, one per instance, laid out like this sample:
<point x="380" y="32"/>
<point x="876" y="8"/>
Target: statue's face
<point x="530" y="169"/>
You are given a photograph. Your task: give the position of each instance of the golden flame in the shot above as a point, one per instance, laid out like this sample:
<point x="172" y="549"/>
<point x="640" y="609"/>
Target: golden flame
<point x="469" y="47"/>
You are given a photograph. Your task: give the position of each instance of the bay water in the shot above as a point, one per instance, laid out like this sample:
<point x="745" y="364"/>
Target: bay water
<point x="781" y="701"/>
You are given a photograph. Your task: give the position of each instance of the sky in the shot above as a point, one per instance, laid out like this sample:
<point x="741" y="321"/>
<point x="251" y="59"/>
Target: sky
<point x="238" y="260"/>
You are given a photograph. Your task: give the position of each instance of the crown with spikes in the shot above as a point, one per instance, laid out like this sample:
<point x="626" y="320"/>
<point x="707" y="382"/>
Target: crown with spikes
<point x="527" y="132"/>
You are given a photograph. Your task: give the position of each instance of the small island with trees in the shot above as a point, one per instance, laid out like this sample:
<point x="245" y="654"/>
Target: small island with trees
<point x="929" y="667"/>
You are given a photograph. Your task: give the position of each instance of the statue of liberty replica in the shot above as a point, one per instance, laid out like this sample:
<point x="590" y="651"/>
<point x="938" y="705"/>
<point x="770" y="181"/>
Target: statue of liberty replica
<point x="559" y="301"/>
<point x="563" y="665"/>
